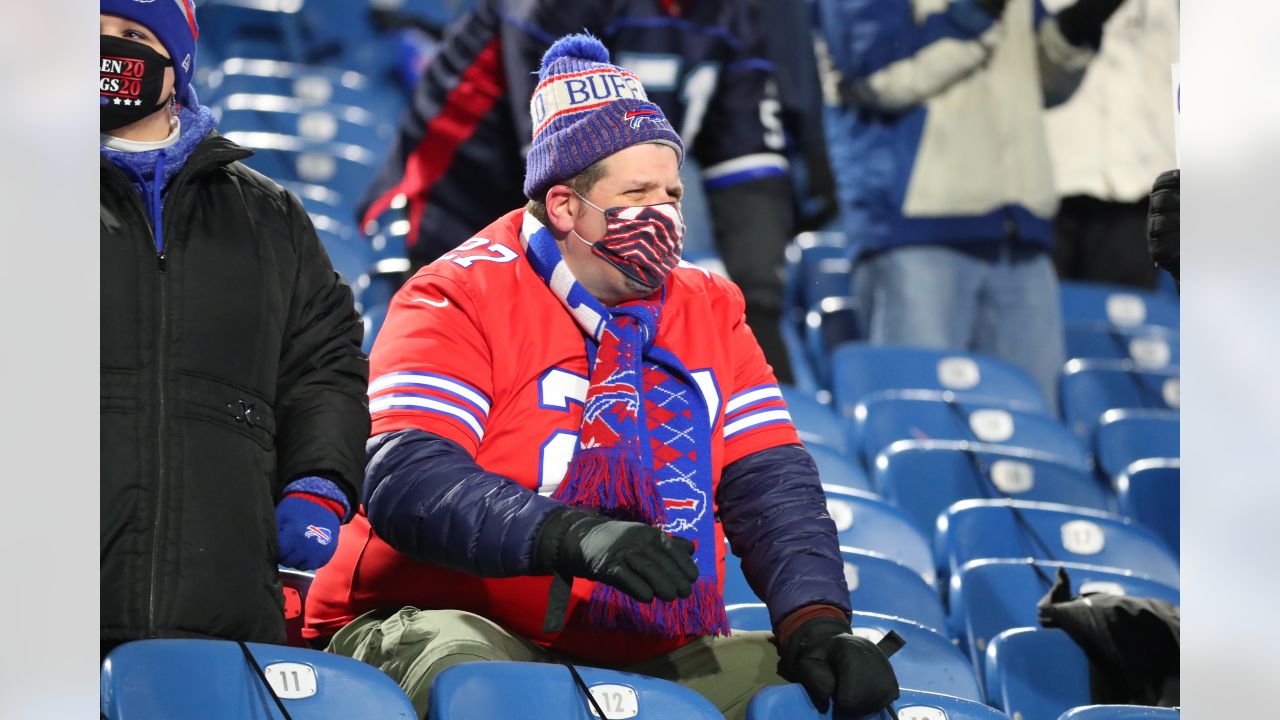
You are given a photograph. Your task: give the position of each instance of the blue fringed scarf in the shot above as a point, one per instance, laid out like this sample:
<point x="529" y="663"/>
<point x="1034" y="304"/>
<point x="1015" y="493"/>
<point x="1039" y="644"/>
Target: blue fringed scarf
<point x="644" y="451"/>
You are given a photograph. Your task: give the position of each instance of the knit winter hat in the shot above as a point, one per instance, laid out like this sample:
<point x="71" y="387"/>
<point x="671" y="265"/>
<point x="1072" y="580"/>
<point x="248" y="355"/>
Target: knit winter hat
<point x="174" y="25"/>
<point x="585" y="109"/>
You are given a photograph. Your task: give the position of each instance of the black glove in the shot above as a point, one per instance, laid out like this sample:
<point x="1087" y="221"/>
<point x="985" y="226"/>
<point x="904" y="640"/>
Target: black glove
<point x="994" y="8"/>
<point x="640" y="560"/>
<point x="1081" y="24"/>
<point x="1164" y="222"/>
<point x="830" y="662"/>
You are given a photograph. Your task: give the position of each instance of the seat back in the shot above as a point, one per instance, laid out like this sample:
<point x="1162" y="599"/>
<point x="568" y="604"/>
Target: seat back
<point x="815" y="422"/>
<point x="1089" y="388"/>
<point x="295" y="585"/>
<point x="1149" y="492"/>
<point x="199" y="679"/>
<point x="883" y="422"/>
<point x="790" y="702"/>
<point x="928" y="661"/>
<point x="861" y="372"/>
<point x="343" y="168"/>
<point x="1115" y="306"/>
<point x="1121" y="712"/>
<point x="1125" y="436"/>
<point x="876" y="584"/>
<point x="837" y="470"/>
<point x="1036" y="674"/>
<point x="832" y="321"/>
<point x="924" y="477"/>
<point x="1149" y="346"/>
<point x="865" y="522"/>
<point x="988" y="597"/>
<point x="546" y="691"/>
<point x="1008" y="529"/>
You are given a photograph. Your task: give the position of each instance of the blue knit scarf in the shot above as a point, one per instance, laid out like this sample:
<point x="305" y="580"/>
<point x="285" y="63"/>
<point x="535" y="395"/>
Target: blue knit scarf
<point x="644" y="451"/>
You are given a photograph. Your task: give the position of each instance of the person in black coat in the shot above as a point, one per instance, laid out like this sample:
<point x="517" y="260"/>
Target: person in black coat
<point x="234" y="409"/>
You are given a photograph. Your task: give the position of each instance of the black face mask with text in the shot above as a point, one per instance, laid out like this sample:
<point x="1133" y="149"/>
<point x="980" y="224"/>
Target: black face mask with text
<point x="131" y="78"/>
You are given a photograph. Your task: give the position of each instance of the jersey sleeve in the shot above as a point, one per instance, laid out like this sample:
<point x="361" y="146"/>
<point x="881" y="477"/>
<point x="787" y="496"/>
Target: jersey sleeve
<point x="431" y="368"/>
<point x="755" y="415"/>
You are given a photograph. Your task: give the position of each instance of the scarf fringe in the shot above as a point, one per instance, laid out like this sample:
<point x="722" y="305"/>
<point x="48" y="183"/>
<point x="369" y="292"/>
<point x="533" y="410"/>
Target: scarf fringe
<point x="702" y="613"/>
<point x="613" y="482"/>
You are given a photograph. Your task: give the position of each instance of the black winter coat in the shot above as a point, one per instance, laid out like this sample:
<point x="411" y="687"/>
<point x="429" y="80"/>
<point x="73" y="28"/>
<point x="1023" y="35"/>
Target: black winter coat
<point x="231" y="365"/>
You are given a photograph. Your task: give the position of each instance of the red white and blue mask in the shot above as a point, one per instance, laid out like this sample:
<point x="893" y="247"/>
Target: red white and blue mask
<point x="643" y="242"/>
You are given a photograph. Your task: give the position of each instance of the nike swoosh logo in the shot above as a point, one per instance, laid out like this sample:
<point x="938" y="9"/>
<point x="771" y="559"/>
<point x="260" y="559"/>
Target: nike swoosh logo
<point x="433" y="303"/>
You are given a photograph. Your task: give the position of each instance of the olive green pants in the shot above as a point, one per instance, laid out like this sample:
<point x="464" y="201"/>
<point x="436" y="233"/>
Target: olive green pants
<point x="413" y="646"/>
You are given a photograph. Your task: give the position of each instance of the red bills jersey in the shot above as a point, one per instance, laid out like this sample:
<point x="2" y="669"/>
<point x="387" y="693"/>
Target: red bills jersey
<point x="477" y="349"/>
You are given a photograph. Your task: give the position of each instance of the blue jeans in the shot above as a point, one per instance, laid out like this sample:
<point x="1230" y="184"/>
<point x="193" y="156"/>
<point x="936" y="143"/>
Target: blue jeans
<point x="998" y="299"/>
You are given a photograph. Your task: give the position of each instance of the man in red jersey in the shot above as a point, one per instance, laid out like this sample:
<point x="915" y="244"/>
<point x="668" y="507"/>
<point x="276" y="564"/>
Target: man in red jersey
<point x="567" y="425"/>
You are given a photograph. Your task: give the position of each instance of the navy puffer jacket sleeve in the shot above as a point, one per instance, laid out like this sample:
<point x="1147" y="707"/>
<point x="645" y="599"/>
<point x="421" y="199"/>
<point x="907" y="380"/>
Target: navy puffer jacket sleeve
<point x="428" y="499"/>
<point x="775" y="517"/>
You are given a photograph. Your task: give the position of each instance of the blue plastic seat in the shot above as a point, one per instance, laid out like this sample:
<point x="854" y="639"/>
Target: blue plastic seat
<point x="837" y="470"/>
<point x="1125" y="436"/>
<point x="546" y="691"/>
<point x="346" y="124"/>
<point x="1149" y="347"/>
<point x="345" y="169"/>
<point x="1121" y="712"/>
<point x="876" y="583"/>
<point x="790" y="702"/>
<point x="372" y="319"/>
<point x="1036" y="673"/>
<point x="804" y="254"/>
<point x="1149" y="493"/>
<point x="830" y="322"/>
<point x="1116" y="306"/>
<point x="988" y="597"/>
<point x="862" y="372"/>
<point x="255" y="29"/>
<point x="1006" y="529"/>
<point x="211" y="679"/>
<point x="1089" y="388"/>
<point x="881" y="423"/>
<point x="349" y="254"/>
<point x="924" y="477"/>
<point x="928" y="661"/>
<point x="865" y="522"/>
<point x="815" y="422"/>
<point x="311" y="85"/>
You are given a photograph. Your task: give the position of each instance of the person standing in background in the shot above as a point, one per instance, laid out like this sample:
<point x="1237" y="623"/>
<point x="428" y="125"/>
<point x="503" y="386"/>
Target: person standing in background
<point x="1109" y="140"/>
<point x="936" y="133"/>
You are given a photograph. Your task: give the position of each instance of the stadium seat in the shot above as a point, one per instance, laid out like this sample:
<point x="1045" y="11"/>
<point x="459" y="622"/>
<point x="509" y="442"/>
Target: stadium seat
<point x="924" y="477"/>
<point x="547" y="691"/>
<point x="1121" y="712"/>
<point x="295" y="584"/>
<point x="347" y="124"/>
<point x="349" y="254"/>
<point x="1150" y="347"/>
<point x="862" y="372"/>
<point x="311" y="85"/>
<point x="1125" y="436"/>
<point x="836" y="470"/>
<point x="928" y="661"/>
<point x="1116" y="306"/>
<point x="1149" y="493"/>
<point x="803" y="254"/>
<point x="825" y="271"/>
<point x="877" y="584"/>
<point x="265" y="30"/>
<point x="878" y="424"/>
<point x="790" y="702"/>
<point x="1006" y="529"/>
<point x="372" y="319"/>
<point x="345" y="169"/>
<point x="212" y="679"/>
<point x="1036" y="673"/>
<point x="815" y="422"/>
<point x="988" y="597"/>
<point x="1089" y="388"/>
<point x="832" y="321"/>
<point x="865" y="522"/>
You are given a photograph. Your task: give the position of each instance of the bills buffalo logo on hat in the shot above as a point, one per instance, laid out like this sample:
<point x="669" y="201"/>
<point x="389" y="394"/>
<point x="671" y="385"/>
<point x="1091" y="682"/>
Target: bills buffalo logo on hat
<point x="322" y="535"/>
<point x="635" y="117"/>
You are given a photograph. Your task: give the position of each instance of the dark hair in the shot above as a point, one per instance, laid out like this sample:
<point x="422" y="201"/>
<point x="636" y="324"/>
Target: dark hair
<point x="581" y="183"/>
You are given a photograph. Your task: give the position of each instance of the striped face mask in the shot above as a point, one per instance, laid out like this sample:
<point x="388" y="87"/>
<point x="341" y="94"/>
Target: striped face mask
<point x="643" y="241"/>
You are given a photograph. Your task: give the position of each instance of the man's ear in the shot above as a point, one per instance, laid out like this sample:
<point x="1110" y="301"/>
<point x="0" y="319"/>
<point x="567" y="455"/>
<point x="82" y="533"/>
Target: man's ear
<point x="561" y="208"/>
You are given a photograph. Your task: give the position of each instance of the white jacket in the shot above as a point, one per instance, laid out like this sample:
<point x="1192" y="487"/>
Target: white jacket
<point x="1115" y="134"/>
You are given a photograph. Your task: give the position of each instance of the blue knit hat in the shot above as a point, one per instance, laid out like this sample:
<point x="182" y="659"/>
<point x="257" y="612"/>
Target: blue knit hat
<point x="585" y="109"/>
<point x="174" y="24"/>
